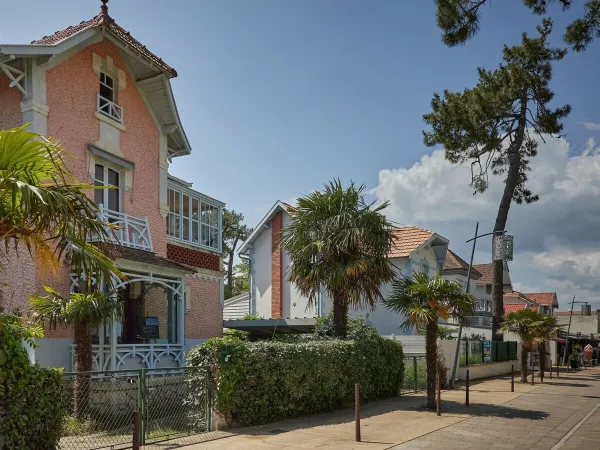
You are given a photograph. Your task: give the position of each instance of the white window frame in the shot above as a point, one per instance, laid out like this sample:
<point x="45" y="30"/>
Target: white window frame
<point x="107" y="107"/>
<point x="114" y="98"/>
<point x="202" y="199"/>
<point x="105" y="182"/>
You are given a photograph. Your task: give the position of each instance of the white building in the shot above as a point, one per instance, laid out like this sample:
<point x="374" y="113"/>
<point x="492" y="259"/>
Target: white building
<point x="275" y="299"/>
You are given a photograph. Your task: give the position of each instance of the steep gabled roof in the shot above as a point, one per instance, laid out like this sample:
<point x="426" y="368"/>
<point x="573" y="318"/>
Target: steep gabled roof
<point x="455" y="263"/>
<point x="487" y="276"/>
<point x="103" y="20"/>
<point x="408" y="239"/>
<point x="544" y="298"/>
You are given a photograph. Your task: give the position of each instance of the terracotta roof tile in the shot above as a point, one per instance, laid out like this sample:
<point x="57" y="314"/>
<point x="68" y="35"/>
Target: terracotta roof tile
<point x="514" y="307"/>
<point x="453" y="261"/>
<point x="567" y="313"/>
<point x="407" y="240"/>
<point x="487" y="275"/>
<point x="543" y="298"/>
<point x="104" y="20"/>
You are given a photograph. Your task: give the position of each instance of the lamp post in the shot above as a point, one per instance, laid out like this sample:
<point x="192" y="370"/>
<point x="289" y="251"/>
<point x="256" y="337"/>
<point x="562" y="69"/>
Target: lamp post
<point x="501" y="250"/>
<point x="569" y="330"/>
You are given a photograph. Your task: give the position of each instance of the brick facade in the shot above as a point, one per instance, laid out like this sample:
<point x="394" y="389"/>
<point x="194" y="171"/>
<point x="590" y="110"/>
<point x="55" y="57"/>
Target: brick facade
<point x="193" y="258"/>
<point x="205" y="316"/>
<point x="276" y="266"/>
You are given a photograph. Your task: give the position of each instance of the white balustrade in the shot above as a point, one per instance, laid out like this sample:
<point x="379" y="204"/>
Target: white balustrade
<point x="110" y="109"/>
<point x="128" y="231"/>
<point x="134" y="356"/>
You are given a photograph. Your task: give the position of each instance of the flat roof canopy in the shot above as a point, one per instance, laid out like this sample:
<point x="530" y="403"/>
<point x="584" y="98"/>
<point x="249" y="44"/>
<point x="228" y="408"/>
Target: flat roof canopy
<point x="270" y="326"/>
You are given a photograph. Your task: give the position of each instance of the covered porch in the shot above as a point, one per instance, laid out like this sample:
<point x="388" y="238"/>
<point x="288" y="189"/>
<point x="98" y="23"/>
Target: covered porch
<point x="151" y="332"/>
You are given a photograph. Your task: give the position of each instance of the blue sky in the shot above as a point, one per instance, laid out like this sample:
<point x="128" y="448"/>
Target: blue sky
<point x="278" y="96"/>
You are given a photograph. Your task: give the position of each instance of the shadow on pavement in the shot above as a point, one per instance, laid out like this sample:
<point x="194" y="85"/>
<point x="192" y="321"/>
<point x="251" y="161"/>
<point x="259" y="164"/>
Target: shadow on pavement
<point x="482" y="409"/>
<point x="561" y="383"/>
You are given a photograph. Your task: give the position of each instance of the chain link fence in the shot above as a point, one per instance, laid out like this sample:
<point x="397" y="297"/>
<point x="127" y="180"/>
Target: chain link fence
<point x="415" y="374"/>
<point x="172" y="405"/>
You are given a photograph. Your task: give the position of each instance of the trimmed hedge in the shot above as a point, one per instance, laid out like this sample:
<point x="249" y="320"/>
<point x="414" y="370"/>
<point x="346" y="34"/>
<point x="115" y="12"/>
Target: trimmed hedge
<point x="30" y="396"/>
<point x="265" y="381"/>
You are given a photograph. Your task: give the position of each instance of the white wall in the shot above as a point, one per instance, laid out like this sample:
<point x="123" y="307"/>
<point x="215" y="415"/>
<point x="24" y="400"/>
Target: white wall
<point x="262" y="274"/>
<point x="54" y="352"/>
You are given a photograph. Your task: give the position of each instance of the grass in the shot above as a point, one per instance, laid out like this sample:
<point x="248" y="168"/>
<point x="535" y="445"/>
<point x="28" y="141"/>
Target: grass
<point x="409" y="384"/>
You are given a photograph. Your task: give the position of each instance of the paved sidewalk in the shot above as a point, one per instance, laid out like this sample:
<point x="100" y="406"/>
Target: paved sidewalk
<point x="533" y="417"/>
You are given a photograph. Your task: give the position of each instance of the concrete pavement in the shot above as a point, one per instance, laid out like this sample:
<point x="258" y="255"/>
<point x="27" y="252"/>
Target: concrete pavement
<point x="561" y="413"/>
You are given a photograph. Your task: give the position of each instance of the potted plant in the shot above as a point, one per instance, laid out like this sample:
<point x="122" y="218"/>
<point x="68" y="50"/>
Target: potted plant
<point x="575" y="355"/>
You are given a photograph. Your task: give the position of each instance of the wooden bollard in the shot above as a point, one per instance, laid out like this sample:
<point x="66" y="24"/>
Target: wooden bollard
<point x="512" y="378"/>
<point x="550" y="369"/>
<point x="439" y="391"/>
<point x="136" y="431"/>
<point x="357" y="411"/>
<point x="532" y="375"/>
<point x="467" y="390"/>
<point x="541" y="374"/>
<point x="557" y="369"/>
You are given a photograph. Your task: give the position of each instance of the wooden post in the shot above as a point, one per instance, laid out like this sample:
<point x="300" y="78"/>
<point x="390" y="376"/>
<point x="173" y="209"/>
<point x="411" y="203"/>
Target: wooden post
<point x="512" y="378"/>
<point x="532" y="374"/>
<point x="557" y="368"/>
<point x="136" y="431"/>
<point x="550" y="369"/>
<point x="541" y="374"/>
<point x="467" y="390"/>
<point x="357" y="411"/>
<point x="439" y="390"/>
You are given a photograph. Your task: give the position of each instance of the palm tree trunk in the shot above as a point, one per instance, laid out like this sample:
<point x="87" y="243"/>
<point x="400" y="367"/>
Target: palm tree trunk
<point x="340" y="315"/>
<point x="542" y="353"/>
<point x="524" y="353"/>
<point x="512" y="180"/>
<point x="431" y="349"/>
<point x="83" y="363"/>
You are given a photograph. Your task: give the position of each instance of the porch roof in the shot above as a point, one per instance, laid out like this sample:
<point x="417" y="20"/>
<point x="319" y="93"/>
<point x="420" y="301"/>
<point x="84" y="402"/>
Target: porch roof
<point x="267" y="327"/>
<point x="118" y="251"/>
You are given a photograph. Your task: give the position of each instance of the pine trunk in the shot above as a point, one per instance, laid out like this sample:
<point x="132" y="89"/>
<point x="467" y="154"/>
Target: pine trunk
<point x="512" y="180"/>
<point x="83" y="363"/>
<point x="431" y="349"/>
<point x="523" y="363"/>
<point x="340" y="315"/>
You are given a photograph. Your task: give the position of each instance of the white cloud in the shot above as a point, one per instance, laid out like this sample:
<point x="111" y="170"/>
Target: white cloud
<point x="590" y="126"/>
<point x="556" y="239"/>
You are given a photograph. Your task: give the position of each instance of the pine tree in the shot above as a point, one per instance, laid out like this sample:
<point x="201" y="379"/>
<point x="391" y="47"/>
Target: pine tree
<point x="493" y="127"/>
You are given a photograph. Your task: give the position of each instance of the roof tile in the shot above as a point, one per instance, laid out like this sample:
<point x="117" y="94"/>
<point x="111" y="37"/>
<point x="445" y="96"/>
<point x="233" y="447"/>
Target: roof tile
<point x="453" y="261"/>
<point x="543" y="298"/>
<point x="407" y="240"/>
<point x="104" y="20"/>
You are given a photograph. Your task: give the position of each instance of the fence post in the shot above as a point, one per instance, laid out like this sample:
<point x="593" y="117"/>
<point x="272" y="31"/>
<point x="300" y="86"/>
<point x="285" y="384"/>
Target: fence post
<point x="557" y="368"/>
<point x="415" y="372"/>
<point x="439" y="391"/>
<point x="512" y="378"/>
<point x="142" y="405"/>
<point x="136" y="430"/>
<point x="541" y="372"/>
<point x="357" y="411"/>
<point x="482" y="357"/>
<point x="532" y="373"/>
<point x="550" y="369"/>
<point x="467" y="352"/>
<point x="467" y="389"/>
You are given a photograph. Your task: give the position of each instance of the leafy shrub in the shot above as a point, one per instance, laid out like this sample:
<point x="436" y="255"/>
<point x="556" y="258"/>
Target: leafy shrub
<point x="358" y="328"/>
<point x="30" y="396"/>
<point x="264" y="381"/>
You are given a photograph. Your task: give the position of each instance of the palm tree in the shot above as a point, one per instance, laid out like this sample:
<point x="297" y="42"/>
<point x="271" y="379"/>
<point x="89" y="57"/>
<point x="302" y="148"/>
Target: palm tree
<point x="45" y="209"/>
<point x="80" y="311"/>
<point x="422" y="301"/>
<point x="547" y="329"/>
<point x="338" y="242"/>
<point x="530" y="326"/>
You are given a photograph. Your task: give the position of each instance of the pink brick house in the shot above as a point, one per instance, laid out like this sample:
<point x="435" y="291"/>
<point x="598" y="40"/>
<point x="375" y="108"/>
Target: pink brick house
<point x="108" y="100"/>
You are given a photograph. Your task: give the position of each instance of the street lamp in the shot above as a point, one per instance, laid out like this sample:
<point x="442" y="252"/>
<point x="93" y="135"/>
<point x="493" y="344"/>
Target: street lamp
<point x="569" y="331"/>
<point x="502" y="248"/>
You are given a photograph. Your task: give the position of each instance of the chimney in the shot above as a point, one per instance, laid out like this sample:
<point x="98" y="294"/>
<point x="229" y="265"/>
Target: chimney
<point x="276" y="266"/>
<point x="586" y="310"/>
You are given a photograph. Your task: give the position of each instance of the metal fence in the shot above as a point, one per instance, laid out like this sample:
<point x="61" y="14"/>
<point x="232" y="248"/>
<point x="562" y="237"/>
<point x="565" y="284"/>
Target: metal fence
<point x="480" y="352"/>
<point x="415" y="374"/>
<point x="171" y="404"/>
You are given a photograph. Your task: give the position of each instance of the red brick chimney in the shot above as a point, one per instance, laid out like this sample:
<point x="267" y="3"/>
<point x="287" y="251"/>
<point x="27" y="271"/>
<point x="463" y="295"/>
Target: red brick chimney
<point x="276" y="263"/>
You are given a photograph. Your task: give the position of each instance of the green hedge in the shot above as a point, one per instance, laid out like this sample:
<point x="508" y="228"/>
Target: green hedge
<point x="30" y="396"/>
<point x="264" y="381"/>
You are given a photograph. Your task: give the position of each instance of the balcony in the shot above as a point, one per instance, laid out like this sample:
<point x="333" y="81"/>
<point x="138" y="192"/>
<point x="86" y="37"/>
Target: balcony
<point x="130" y="231"/>
<point x="110" y="109"/>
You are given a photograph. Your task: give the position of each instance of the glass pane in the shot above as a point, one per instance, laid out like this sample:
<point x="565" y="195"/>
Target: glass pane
<point x="113" y="199"/>
<point x="205" y="236"/>
<point x="113" y="177"/>
<point x="186" y="228"/>
<point x="214" y="238"/>
<point x="176" y="226"/>
<point x="99" y="173"/>
<point x="171" y="200"/>
<point x="176" y="203"/>
<point x="106" y="92"/>
<point x="195" y="231"/>
<point x="186" y="206"/>
<point x="195" y="209"/>
<point x="98" y="193"/>
<point x="108" y="81"/>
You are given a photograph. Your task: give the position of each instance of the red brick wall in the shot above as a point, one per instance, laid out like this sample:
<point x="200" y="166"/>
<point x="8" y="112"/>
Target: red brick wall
<point x="194" y="258"/>
<point x="205" y="318"/>
<point x="276" y="259"/>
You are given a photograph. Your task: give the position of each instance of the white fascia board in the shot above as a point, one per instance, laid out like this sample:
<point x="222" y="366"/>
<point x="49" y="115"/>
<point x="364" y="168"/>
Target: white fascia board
<point x="49" y="49"/>
<point x="136" y="266"/>
<point x="278" y="206"/>
<point x="176" y="119"/>
<point x="434" y="237"/>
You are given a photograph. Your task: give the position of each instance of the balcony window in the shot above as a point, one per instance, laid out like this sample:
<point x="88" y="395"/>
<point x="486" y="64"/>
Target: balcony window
<point x="110" y="179"/>
<point x="107" y="101"/>
<point x="193" y="219"/>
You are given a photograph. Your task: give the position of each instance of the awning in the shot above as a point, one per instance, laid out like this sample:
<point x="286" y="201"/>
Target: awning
<point x="559" y="340"/>
<point x="265" y="327"/>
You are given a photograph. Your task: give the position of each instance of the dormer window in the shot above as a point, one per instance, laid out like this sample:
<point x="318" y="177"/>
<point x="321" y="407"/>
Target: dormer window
<point x="107" y="99"/>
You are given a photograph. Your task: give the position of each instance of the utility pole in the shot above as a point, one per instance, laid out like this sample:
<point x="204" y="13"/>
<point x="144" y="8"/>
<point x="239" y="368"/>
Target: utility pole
<point x="467" y="290"/>
<point x="569" y="330"/>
